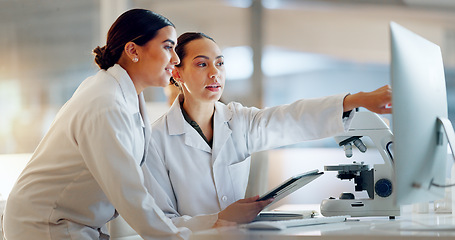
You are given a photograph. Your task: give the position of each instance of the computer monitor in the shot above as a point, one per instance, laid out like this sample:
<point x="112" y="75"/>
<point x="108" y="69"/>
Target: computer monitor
<point x="419" y="103"/>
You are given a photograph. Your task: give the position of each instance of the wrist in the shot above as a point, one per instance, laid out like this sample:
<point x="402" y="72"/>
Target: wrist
<point x="352" y="101"/>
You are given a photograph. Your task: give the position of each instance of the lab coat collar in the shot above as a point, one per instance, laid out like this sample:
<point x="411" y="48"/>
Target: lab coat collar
<point x="127" y="86"/>
<point x="177" y="125"/>
<point x="174" y="120"/>
<point x="222" y="114"/>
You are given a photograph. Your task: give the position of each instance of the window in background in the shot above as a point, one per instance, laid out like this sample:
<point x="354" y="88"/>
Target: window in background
<point x="46" y="53"/>
<point x="10" y="106"/>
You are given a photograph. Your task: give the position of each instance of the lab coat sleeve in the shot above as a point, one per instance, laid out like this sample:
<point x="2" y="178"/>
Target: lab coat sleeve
<point x="306" y="119"/>
<point x="159" y="185"/>
<point x="105" y="142"/>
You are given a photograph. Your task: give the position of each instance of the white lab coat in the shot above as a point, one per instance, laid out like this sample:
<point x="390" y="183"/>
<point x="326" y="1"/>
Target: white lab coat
<point x="199" y="180"/>
<point x="87" y="167"/>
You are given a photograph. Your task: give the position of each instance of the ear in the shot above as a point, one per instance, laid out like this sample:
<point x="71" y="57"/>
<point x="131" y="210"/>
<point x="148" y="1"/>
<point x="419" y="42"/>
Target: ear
<point x="176" y="75"/>
<point x="131" y="50"/>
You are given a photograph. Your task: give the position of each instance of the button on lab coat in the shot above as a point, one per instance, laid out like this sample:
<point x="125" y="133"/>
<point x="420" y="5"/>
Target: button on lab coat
<point x="87" y="167"/>
<point x="199" y="180"/>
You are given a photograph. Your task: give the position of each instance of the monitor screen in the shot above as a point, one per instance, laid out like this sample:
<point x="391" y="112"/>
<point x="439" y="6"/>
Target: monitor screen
<point x="418" y="99"/>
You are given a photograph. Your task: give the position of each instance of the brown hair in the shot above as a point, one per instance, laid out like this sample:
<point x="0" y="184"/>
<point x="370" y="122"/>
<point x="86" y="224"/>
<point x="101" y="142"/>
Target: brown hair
<point x="135" y="25"/>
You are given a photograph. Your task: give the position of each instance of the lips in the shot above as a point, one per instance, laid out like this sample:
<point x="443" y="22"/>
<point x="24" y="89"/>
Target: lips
<point x="169" y="70"/>
<point x="213" y="88"/>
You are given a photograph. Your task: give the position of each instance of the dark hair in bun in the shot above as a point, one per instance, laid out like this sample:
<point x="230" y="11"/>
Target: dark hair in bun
<point x="135" y="25"/>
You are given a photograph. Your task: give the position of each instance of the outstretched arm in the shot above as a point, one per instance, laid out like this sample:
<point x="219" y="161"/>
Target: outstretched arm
<point x="376" y="101"/>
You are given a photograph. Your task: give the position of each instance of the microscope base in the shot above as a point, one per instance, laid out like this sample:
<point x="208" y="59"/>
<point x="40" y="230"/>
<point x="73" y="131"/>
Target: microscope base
<point x="358" y="208"/>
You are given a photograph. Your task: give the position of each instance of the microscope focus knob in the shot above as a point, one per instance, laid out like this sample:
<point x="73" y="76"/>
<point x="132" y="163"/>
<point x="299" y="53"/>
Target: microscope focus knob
<point x="383" y="187"/>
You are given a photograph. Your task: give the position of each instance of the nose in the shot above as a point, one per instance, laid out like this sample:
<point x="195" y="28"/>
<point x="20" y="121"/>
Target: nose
<point x="215" y="77"/>
<point x="214" y="73"/>
<point x="175" y="60"/>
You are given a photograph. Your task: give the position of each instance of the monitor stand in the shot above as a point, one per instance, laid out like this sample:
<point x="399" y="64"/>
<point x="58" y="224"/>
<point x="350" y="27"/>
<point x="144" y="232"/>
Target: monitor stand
<point x="450" y="134"/>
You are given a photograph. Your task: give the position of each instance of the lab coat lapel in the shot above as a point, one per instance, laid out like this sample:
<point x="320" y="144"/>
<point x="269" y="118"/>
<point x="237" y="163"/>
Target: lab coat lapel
<point x="177" y="125"/>
<point x="147" y="127"/>
<point x="222" y="131"/>
<point x="127" y="86"/>
<point x="133" y="101"/>
<point x="193" y="139"/>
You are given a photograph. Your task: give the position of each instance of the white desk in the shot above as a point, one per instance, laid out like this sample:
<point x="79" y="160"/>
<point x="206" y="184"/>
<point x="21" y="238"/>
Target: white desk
<point x="366" y="228"/>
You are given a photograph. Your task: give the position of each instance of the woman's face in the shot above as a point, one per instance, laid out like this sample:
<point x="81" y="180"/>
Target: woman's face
<point x="157" y="58"/>
<point x="202" y="74"/>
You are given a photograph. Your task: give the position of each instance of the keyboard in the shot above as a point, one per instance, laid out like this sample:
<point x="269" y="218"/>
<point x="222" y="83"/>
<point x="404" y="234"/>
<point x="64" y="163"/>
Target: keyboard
<point x="281" y="225"/>
<point x="279" y="215"/>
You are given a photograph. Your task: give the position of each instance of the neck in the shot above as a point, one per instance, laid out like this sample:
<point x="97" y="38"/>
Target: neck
<point x="132" y="73"/>
<point x="201" y="112"/>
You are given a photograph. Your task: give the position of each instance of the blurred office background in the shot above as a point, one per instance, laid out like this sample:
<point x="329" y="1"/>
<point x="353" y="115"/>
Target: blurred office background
<point x="276" y="51"/>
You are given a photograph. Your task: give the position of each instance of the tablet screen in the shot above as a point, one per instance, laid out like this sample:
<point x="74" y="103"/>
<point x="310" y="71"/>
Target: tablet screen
<point x="291" y="185"/>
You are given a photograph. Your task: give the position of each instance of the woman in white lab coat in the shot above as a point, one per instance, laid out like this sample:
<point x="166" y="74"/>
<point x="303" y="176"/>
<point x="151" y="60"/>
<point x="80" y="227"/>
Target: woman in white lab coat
<point x="200" y="149"/>
<point x="87" y="168"/>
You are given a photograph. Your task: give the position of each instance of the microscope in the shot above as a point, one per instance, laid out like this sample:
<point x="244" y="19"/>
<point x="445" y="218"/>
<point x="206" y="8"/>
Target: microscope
<point x="377" y="181"/>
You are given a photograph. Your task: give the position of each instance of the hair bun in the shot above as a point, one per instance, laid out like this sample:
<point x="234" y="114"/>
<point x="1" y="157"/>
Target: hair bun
<point x="103" y="57"/>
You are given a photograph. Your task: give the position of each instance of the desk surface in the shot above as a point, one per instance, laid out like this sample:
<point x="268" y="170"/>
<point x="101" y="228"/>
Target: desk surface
<point x="408" y="226"/>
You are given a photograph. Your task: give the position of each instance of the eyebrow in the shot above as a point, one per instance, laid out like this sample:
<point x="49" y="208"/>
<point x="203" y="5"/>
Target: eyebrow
<point x="170" y="41"/>
<point x="203" y="56"/>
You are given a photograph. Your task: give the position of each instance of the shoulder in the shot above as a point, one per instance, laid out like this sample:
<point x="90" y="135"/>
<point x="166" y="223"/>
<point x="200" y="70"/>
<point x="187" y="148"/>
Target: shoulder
<point x="228" y="109"/>
<point x="234" y="112"/>
<point x="103" y="95"/>
<point x="237" y="109"/>
<point x="102" y="88"/>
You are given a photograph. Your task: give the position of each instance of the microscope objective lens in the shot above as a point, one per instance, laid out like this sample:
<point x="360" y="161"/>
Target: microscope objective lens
<point x="359" y="144"/>
<point x="348" y="150"/>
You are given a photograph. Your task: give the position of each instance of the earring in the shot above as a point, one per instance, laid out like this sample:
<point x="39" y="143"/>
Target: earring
<point x="135" y="59"/>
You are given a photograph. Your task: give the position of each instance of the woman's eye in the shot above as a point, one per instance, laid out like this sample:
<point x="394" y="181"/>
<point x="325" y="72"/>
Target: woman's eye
<point x="220" y="64"/>
<point x="202" y="64"/>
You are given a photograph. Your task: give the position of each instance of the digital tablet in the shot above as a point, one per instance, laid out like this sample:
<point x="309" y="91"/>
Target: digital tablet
<point x="291" y="185"/>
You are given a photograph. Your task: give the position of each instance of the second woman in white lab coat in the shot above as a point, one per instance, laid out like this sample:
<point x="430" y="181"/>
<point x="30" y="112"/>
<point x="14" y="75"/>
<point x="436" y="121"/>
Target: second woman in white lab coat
<point x="200" y="149"/>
